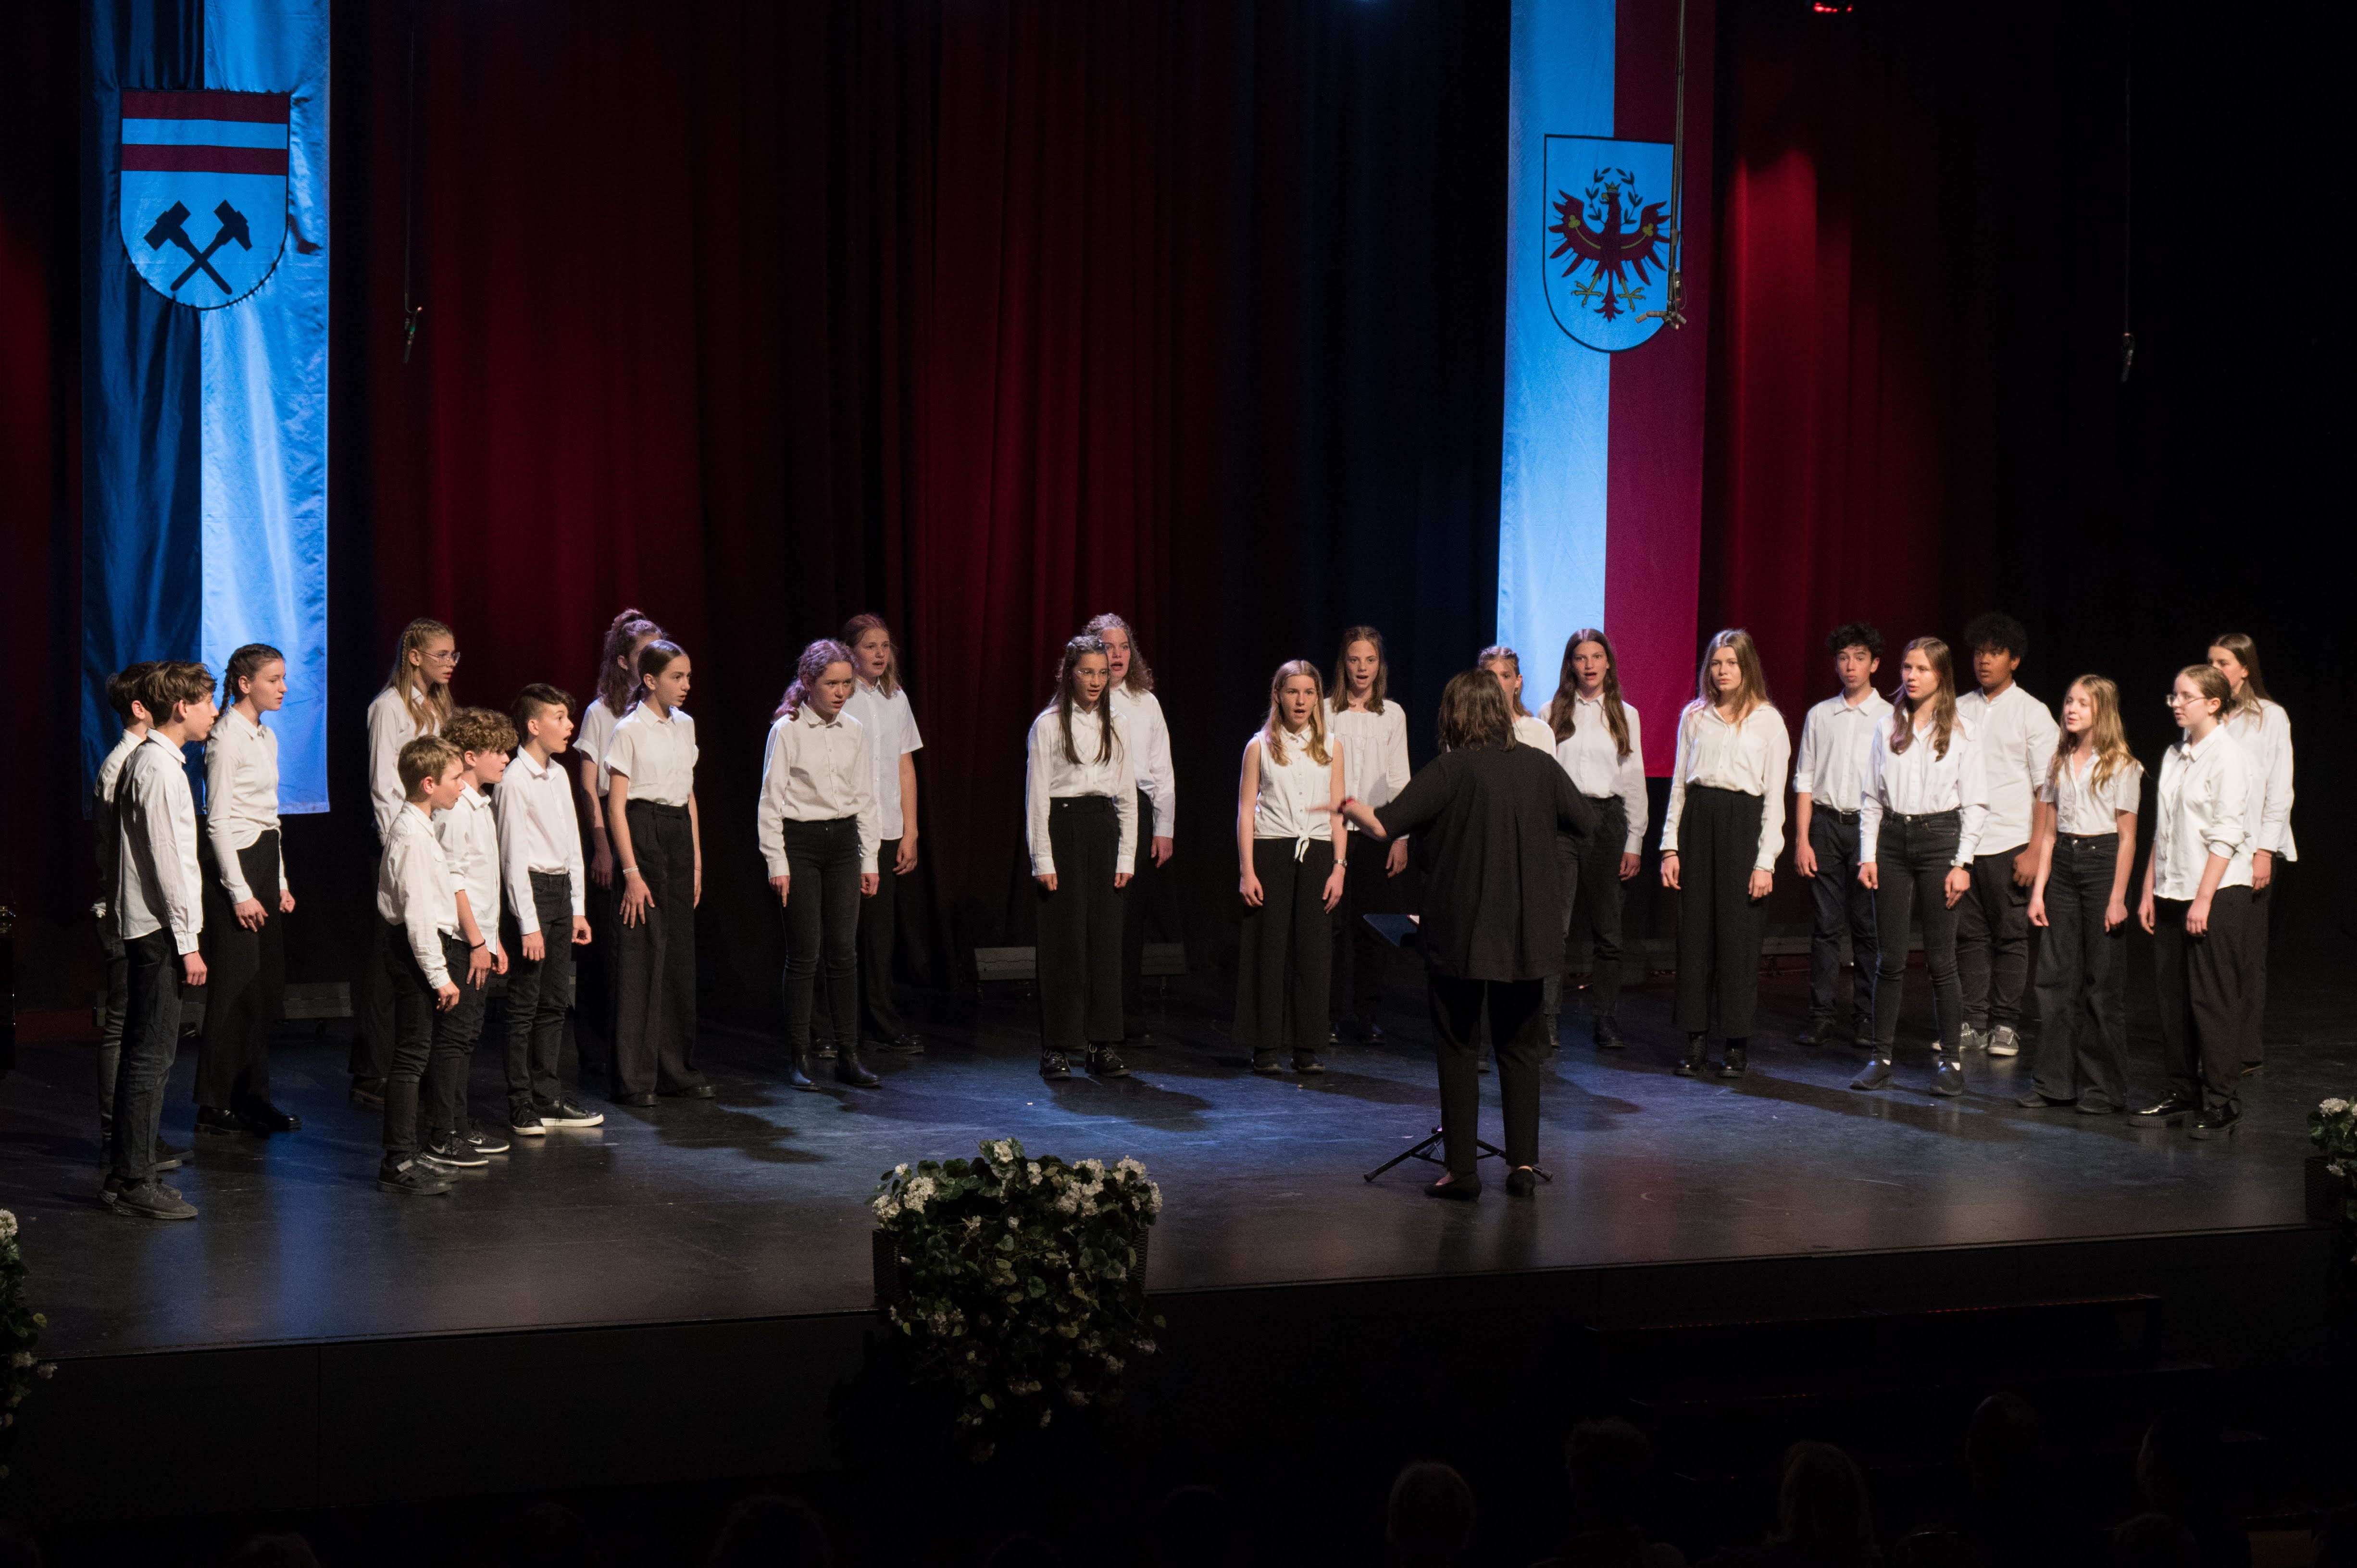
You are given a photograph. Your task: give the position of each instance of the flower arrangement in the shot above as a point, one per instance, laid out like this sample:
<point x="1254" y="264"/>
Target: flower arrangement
<point x="1026" y="1282"/>
<point x="20" y="1332"/>
<point x="2332" y="1128"/>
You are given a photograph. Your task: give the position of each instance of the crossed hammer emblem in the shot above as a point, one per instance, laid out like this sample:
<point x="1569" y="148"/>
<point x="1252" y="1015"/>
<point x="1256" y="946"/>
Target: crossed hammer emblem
<point x="168" y="229"/>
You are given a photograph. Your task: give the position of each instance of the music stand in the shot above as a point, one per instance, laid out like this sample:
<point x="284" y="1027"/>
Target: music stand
<point x="1402" y="932"/>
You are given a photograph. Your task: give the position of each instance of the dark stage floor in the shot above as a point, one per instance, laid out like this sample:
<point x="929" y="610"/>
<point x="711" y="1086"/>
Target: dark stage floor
<point x="752" y="1206"/>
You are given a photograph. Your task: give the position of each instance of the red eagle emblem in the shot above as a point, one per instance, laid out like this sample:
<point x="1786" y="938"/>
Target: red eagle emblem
<point x="1617" y="242"/>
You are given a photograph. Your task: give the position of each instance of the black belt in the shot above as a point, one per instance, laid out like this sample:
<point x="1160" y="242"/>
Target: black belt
<point x="1950" y="815"/>
<point x="658" y="807"/>
<point x="1082" y="802"/>
<point x="2089" y="838"/>
<point x="1837" y="814"/>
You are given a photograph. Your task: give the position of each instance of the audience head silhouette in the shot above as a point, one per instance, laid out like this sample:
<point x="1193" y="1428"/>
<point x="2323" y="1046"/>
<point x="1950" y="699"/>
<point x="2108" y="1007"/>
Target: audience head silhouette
<point x="1431" y="1516"/>
<point x="1822" y="1517"/>
<point x="2001" y="1443"/>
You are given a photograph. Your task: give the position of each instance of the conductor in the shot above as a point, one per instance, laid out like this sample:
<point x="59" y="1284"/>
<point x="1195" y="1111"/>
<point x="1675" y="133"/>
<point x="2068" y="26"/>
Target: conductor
<point x="1484" y="817"/>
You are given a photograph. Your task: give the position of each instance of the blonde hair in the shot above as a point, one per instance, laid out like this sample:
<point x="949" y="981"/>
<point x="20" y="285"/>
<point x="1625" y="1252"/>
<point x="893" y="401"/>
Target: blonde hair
<point x="1942" y="700"/>
<point x="1140" y="679"/>
<point x="1272" y="728"/>
<point x="427" y="702"/>
<point x="2107" y="733"/>
<point x="855" y="629"/>
<point x="1753" y="691"/>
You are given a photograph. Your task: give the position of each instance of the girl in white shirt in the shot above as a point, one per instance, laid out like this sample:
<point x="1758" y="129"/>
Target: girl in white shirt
<point x="246" y="899"/>
<point x="618" y="662"/>
<point x="1131" y="695"/>
<point x="1507" y="666"/>
<point x="1599" y="744"/>
<point x="1922" y="806"/>
<point x="2080" y="898"/>
<point x="880" y="703"/>
<point x="1080" y="801"/>
<point x="1291" y="851"/>
<point x="659" y="860"/>
<point x="2262" y="728"/>
<point x="1371" y="729"/>
<point x="819" y="832"/>
<point x="416" y="701"/>
<point x="1720" y="837"/>
<point x="2196" y="902"/>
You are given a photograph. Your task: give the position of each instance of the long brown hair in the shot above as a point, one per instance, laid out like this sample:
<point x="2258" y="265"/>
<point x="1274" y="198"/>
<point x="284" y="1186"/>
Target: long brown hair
<point x="810" y="666"/>
<point x="1272" y="728"/>
<point x="1499" y="653"/>
<point x="1076" y="650"/>
<point x="427" y="702"/>
<point x="1564" y="706"/>
<point x="2246" y="654"/>
<point x="616" y="679"/>
<point x="1474" y="715"/>
<point x="1752" y="694"/>
<point x="1342" y="697"/>
<point x="1140" y="679"/>
<point x="855" y="629"/>
<point x="1942" y="700"/>
<point x="2108" y="732"/>
<point x="653" y="659"/>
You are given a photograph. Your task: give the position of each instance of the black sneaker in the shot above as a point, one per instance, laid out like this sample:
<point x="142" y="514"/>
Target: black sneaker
<point x="1054" y="1065"/>
<point x="1306" y="1063"/>
<point x="563" y="1112"/>
<point x="525" y="1124"/>
<point x="170" y="1157"/>
<point x="1105" y="1062"/>
<point x="152" y="1200"/>
<point x="484" y="1142"/>
<point x="449" y="1153"/>
<point x="2217" y="1121"/>
<point x="410" y="1178"/>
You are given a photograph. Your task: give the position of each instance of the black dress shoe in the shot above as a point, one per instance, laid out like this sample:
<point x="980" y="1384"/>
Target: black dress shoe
<point x="1304" y="1063"/>
<point x="1105" y="1062"/>
<point x="2033" y="1101"/>
<point x="849" y="1070"/>
<point x="268" y="1118"/>
<point x="1818" y="1034"/>
<point x="1267" y="1065"/>
<point x="907" y="1045"/>
<point x="2169" y="1111"/>
<point x="1697" y="1057"/>
<point x="639" y="1101"/>
<point x="213" y="1118"/>
<point x="1876" y="1074"/>
<point x="1370" y="1033"/>
<point x="1738" y="1059"/>
<point x="1607" y="1035"/>
<point x="1054" y="1065"/>
<point x="2216" y="1122"/>
<point x="697" y="1090"/>
<point x="1460" y="1189"/>
<point x="1521" y="1182"/>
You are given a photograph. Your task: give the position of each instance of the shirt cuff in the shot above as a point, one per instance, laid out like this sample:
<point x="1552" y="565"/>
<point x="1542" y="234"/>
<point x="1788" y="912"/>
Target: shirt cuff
<point x="1636" y="843"/>
<point x="1043" y="866"/>
<point x="780" y="865"/>
<point x="2222" y="851"/>
<point x="184" y="943"/>
<point x="868" y="863"/>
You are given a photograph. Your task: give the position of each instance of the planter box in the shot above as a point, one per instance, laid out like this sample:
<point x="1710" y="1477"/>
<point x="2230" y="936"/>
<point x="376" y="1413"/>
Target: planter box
<point x="892" y="1275"/>
<point x="2328" y="1195"/>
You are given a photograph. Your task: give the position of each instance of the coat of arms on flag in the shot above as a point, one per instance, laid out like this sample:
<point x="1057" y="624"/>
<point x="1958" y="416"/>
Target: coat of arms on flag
<point x="203" y="195"/>
<point x="1606" y="241"/>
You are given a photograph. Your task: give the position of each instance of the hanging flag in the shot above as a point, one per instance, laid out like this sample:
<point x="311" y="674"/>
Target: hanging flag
<point x="1601" y="499"/>
<point x="205" y="353"/>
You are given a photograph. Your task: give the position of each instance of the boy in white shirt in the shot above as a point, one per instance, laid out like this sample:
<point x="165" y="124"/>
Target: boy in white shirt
<point x="470" y="846"/>
<point x="416" y="896"/>
<point x="123" y="695"/>
<point x="2018" y="735"/>
<point x="157" y="912"/>
<point x="1828" y="784"/>
<point x="547" y="913"/>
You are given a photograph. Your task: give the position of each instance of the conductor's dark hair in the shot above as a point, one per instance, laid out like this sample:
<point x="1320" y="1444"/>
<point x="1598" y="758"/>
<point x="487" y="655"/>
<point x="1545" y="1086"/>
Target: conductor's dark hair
<point x="1997" y="629"/>
<point x="1855" y="634"/>
<point x="1473" y="714"/>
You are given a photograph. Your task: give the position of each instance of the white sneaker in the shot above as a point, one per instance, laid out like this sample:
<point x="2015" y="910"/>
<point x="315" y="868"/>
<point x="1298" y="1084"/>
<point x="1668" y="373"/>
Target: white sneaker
<point x="2004" y="1042"/>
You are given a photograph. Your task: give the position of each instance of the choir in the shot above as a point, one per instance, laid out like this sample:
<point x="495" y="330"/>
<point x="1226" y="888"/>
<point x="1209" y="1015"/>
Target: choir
<point x="1971" y="816"/>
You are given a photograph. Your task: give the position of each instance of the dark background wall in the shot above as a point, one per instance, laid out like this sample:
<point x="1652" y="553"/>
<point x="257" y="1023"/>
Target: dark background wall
<point x="991" y="316"/>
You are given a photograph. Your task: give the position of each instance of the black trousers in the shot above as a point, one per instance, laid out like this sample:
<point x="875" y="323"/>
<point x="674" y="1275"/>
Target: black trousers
<point x="1148" y="897"/>
<point x="877" y="918"/>
<point x="1721" y="927"/>
<point x="374" y="1024"/>
<point x="1591" y="885"/>
<point x="538" y="994"/>
<point x="1838" y="898"/>
<point x="1515" y="1024"/>
<point x="151" y="1039"/>
<point x="450" y="1061"/>
<point x="2199" y="983"/>
<point x="110" y="1033"/>
<point x="1360" y="957"/>
<point x="2082" y="1038"/>
<point x="1913" y="858"/>
<point x="593" y="977"/>
<point x="823" y="917"/>
<point x="654" y="961"/>
<point x="2266" y="909"/>
<point x="1286" y="952"/>
<point x="246" y="983"/>
<point x="411" y="1000"/>
<point x="1080" y="927"/>
<point x="1992" y="942"/>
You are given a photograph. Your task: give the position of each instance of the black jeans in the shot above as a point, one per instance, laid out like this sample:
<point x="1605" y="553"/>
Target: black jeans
<point x="109" y="1036"/>
<point x="2082" y="1044"/>
<point x="654" y="966"/>
<point x="1360" y="957"/>
<point x="1150" y="899"/>
<point x="2199" y="983"/>
<point x="1515" y="1021"/>
<point x="1721" y="927"/>
<point x="411" y="1001"/>
<point x="2266" y="909"/>
<point x="450" y="1063"/>
<point x="823" y="921"/>
<point x="1592" y="881"/>
<point x="1838" y="898"/>
<point x="1992" y="942"/>
<point x="1080" y="926"/>
<point x="538" y="994"/>
<point x="374" y="1024"/>
<point x="1913" y="858"/>
<point x="151" y="1039"/>
<point x="593" y="970"/>
<point x="246" y="983"/>
<point x="1284" y="952"/>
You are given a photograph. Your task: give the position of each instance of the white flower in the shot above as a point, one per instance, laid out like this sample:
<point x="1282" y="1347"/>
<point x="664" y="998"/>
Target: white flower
<point x="7" y="1225"/>
<point x="2333" y="1107"/>
<point x="2333" y="1167"/>
<point x="919" y="1193"/>
<point x="887" y="1206"/>
<point x="1128" y="1166"/>
<point x="47" y="1370"/>
<point x="1088" y="1206"/>
<point x="1113" y="1363"/>
<point x="973" y="1224"/>
<point x="1075" y="1396"/>
<point x="1067" y="1204"/>
<point x="1094" y="1166"/>
<point x="1003" y="1150"/>
<point x="21" y="1358"/>
<point x="1033" y="1169"/>
<point x="1013" y="1223"/>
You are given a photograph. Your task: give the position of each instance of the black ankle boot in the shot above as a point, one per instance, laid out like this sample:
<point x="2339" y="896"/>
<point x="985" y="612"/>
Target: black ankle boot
<point x="1697" y="1057"/>
<point x="1876" y="1074"/>
<point x="798" y="1074"/>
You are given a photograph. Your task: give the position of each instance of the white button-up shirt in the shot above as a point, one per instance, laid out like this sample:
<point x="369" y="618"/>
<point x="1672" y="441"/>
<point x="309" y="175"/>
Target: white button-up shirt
<point x="1834" y="738"/>
<point x="1374" y="752"/>
<point x="2203" y="810"/>
<point x="1141" y="715"/>
<point x="1291" y="790"/>
<point x="416" y="891"/>
<point x="2265" y="735"/>
<point x="157" y="886"/>
<point x="1596" y="767"/>
<point x="2085" y="809"/>
<point x="1917" y="782"/>
<point x="656" y="753"/>
<point x="470" y="847"/>
<point x="1532" y="730"/>
<point x="538" y="831"/>
<point x="891" y="726"/>
<point x="1750" y="756"/>
<point x="389" y="728"/>
<point x="1052" y="776"/>
<point x="101" y="823"/>
<point x="818" y="770"/>
<point x="2017" y="736"/>
<point x="596" y="733"/>
<point x="240" y="796"/>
